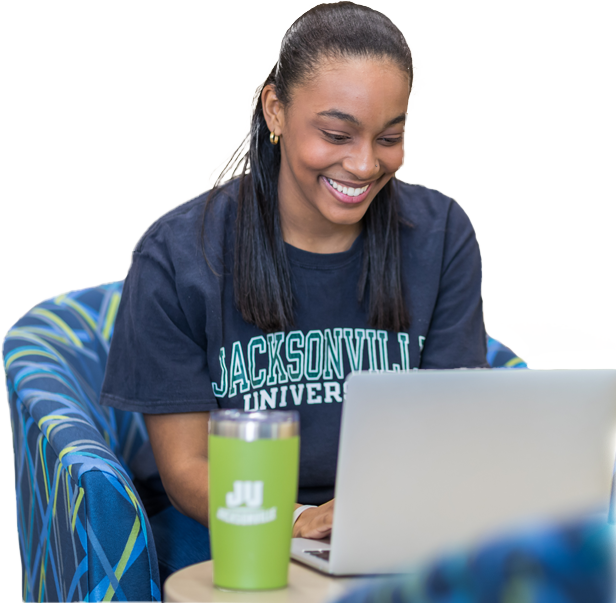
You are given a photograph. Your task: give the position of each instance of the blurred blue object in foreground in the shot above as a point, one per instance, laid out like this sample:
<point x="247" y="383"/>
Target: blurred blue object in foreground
<point x="570" y="563"/>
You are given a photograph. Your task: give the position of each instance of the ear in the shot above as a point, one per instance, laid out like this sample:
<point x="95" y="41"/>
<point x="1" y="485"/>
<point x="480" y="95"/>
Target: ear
<point x="272" y="110"/>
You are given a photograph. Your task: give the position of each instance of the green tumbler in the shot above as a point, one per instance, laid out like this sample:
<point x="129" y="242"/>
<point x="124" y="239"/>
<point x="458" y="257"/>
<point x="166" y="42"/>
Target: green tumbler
<point x="254" y="464"/>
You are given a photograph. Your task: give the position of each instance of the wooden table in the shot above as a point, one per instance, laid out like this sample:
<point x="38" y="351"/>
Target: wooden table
<point x="194" y="583"/>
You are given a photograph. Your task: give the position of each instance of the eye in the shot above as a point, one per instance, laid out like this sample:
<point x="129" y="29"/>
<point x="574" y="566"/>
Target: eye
<point x="335" y="138"/>
<point x="391" y="140"/>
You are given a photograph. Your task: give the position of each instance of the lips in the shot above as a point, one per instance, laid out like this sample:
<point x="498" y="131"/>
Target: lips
<point x="353" y="198"/>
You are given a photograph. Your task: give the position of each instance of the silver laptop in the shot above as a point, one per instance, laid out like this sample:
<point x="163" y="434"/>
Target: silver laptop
<point x="434" y="460"/>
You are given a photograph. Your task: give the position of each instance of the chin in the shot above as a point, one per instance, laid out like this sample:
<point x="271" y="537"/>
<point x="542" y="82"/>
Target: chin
<point x="349" y="217"/>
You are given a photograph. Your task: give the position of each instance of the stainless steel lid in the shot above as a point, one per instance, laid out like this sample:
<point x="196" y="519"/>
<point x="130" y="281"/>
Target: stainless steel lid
<point x="258" y="425"/>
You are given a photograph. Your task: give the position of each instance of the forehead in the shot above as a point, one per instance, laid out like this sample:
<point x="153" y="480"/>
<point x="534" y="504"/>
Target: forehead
<point x="370" y="89"/>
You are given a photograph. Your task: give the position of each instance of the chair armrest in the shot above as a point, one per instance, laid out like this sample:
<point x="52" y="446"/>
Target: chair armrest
<point x="83" y="531"/>
<point x="500" y="356"/>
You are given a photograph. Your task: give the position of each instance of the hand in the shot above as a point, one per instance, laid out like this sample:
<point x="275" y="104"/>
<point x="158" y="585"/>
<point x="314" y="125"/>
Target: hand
<point x="315" y="523"/>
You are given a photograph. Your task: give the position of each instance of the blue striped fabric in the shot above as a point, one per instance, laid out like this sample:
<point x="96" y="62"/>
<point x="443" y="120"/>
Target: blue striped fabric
<point x="83" y="531"/>
<point x="500" y="356"/>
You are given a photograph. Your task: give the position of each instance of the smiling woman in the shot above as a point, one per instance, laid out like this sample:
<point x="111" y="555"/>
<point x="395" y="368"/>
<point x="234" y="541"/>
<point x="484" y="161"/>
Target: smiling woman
<point x="311" y="261"/>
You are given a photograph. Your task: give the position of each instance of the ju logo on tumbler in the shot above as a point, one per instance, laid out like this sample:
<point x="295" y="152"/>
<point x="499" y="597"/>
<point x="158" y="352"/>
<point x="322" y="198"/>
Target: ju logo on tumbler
<point x="253" y="471"/>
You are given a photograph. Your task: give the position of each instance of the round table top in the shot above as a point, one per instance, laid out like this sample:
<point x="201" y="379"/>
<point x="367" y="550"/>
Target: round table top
<point x="194" y="583"/>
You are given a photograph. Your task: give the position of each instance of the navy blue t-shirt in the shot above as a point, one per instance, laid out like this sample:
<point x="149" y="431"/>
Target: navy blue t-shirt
<point x="180" y="344"/>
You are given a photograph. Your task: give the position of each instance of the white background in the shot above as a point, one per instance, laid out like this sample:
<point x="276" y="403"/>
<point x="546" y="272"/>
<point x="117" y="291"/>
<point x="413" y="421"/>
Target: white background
<point x="113" y="113"/>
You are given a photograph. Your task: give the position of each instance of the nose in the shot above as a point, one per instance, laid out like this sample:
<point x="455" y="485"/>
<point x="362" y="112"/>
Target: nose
<point x="362" y="162"/>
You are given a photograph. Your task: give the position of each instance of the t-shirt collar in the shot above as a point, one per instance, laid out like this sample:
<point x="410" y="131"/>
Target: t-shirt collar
<point x="308" y="259"/>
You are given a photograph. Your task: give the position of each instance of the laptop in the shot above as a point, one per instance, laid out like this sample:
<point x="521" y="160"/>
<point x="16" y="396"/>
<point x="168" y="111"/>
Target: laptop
<point x="430" y="461"/>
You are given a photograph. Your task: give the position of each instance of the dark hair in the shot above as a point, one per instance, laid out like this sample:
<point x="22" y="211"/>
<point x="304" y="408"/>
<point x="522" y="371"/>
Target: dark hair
<point x="262" y="277"/>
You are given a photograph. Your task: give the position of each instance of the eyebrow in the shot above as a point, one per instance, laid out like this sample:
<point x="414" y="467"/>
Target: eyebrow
<point x="336" y="114"/>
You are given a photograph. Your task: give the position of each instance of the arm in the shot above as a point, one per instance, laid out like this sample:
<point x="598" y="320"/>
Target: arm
<point x="179" y="442"/>
<point x="456" y="336"/>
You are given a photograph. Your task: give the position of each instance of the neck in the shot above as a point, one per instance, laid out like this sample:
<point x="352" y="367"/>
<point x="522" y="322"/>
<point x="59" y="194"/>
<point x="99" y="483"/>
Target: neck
<point x="305" y="228"/>
<point x="301" y="235"/>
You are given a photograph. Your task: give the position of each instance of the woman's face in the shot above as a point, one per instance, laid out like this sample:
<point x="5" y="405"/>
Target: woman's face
<point x="341" y="140"/>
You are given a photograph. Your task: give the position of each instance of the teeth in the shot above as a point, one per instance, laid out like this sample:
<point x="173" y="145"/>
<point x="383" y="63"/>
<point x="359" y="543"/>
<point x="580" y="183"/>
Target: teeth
<point x="351" y="192"/>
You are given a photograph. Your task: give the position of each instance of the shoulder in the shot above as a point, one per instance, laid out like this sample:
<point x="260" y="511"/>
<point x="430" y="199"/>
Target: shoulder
<point x="437" y="228"/>
<point x="428" y="209"/>
<point x="181" y="230"/>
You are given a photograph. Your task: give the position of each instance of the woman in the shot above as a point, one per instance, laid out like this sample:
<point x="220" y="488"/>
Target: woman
<point x="314" y="262"/>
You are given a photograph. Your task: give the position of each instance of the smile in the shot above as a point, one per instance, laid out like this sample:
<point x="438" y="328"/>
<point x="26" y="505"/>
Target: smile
<point x="345" y="193"/>
<point x="347" y="190"/>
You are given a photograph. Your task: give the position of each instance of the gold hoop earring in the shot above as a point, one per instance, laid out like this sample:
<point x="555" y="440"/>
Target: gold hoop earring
<point x="273" y="138"/>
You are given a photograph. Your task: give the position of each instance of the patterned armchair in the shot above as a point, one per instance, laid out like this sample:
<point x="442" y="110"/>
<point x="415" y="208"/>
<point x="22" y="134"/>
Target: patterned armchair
<point x="83" y="531"/>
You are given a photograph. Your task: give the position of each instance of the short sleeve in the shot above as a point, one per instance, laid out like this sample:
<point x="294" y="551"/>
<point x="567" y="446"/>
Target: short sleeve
<point x="456" y="336"/>
<point x="157" y="358"/>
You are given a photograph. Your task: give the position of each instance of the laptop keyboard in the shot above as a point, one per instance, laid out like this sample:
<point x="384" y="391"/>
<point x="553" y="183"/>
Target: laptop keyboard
<point x="320" y="553"/>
